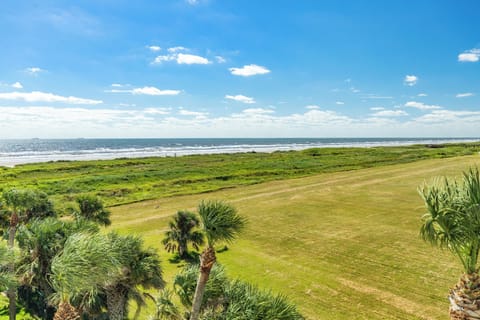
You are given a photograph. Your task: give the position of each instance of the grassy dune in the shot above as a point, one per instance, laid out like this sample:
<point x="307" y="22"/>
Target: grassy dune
<point x="341" y="245"/>
<point x="124" y="181"/>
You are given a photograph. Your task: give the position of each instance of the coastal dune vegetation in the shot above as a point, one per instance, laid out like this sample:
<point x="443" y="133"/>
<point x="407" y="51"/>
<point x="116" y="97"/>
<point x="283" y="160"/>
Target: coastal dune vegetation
<point x="336" y="231"/>
<point x="124" y="181"/>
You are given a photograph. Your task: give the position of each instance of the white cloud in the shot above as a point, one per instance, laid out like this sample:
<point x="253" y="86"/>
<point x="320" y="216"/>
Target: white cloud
<point x="34" y="70"/>
<point x="472" y="55"/>
<point x="464" y="95"/>
<point x="168" y="57"/>
<point x="176" y="49"/>
<point x="154" y="48"/>
<point x="312" y="107"/>
<point x="354" y="90"/>
<point x="37" y="96"/>
<point x="249" y="70"/>
<point x="390" y="113"/>
<point x="17" y="85"/>
<point x="421" y="105"/>
<point x="159" y="111"/>
<point x="193" y="2"/>
<point x="422" y="95"/>
<point x="74" y="121"/>
<point x="220" y="59"/>
<point x="377" y="108"/>
<point x="184" y="112"/>
<point x="257" y="111"/>
<point x="410" y="80"/>
<point x="117" y="85"/>
<point x="449" y="116"/>
<point x="183" y="58"/>
<point x="241" y="98"/>
<point x="152" y="91"/>
<point x="340" y="102"/>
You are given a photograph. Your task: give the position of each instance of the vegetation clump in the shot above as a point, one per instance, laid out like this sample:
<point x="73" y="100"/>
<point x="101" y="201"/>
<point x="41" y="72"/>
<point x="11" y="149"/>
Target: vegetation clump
<point x="452" y="221"/>
<point x="67" y="269"/>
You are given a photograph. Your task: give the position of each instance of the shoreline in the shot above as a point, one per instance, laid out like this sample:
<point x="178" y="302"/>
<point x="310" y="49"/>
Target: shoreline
<point x="12" y="159"/>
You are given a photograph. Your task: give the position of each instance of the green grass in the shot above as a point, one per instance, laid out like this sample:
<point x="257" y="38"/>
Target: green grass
<point x="130" y="180"/>
<point x="341" y="245"/>
<point x="334" y="229"/>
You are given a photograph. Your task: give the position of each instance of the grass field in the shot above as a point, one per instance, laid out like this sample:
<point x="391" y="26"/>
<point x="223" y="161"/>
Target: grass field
<point x="124" y="181"/>
<point x="340" y="245"/>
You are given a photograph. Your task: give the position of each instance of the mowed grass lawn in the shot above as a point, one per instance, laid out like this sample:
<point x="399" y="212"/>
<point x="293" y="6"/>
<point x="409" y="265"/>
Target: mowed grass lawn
<point x="340" y="245"/>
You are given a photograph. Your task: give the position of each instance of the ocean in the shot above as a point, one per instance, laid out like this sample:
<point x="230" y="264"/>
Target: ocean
<point x="14" y="152"/>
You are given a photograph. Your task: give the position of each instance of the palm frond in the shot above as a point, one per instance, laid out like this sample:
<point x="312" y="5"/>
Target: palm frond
<point x="220" y="221"/>
<point x="452" y="220"/>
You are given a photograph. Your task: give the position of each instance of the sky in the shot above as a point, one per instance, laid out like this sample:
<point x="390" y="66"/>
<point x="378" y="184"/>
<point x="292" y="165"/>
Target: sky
<point x="230" y="68"/>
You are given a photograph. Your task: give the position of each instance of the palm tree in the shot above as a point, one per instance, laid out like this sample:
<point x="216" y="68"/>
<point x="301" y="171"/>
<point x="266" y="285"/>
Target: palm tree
<point x="241" y="298"/>
<point x="452" y="221"/>
<point x="40" y="241"/>
<point x="165" y="309"/>
<point x="23" y="205"/>
<point x="226" y="299"/>
<point x="139" y="267"/>
<point x="92" y="209"/>
<point x="181" y="233"/>
<point x="111" y="265"/>
<point x="220" y="222"/>
<point x="185" y="283"/>
<point x="86" y="265"/>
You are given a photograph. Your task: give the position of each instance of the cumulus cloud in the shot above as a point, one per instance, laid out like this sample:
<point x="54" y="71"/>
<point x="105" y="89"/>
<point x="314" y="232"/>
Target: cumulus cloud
<point x="450" y="116"/>
<point x="17" y="85"/>
<point x="37" y="96"/>
<point x="421" y="105"/>
<point x="464" y="95"/>
<point x="176" y="49"/>
<point x="249" y="70"/>
<point x="472" y="55"/>
<point x="150" y="91"/>
<point x="410" y="80"/>
<point x="154" y="48"/>
<point x="33" y="70"/>
<point x="157" y="111"/>
<point x="241" y="98"/>
<point x="180" y="58"/>
<point x="311" y="107"/>
<point x="183" y="58"/>
<point x="390" y="113"/>
<point x="257" y="111"/>
<point x="74" y="121"/>
<point x="197" y="114"/>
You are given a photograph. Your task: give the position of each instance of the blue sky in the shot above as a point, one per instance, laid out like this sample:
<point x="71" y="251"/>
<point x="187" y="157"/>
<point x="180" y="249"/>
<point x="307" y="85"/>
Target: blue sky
<point x="212" y="68"/>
